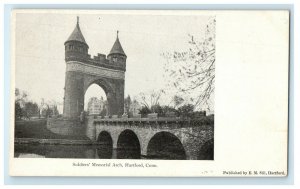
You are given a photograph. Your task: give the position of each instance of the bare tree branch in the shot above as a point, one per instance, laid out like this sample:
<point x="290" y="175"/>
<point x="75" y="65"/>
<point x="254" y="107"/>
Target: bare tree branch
<point x="193" y="70"/>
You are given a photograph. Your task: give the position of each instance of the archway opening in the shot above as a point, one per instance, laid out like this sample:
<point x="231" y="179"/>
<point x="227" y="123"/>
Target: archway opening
<point x="128" y="146"/>
<point x="105" y="146"/>
<point x="165" y="145"/>
<point x="95" y="101"/>
<point x="207" y="151"/>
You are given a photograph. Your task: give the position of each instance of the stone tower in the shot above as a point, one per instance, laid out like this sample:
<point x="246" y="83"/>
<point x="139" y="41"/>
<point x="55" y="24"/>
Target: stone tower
<point x="117" y="53"/>
<point x="82" y="71"/>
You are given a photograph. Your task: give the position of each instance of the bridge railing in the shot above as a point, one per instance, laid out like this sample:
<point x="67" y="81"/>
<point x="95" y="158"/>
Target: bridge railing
<point x="205" y="120"/>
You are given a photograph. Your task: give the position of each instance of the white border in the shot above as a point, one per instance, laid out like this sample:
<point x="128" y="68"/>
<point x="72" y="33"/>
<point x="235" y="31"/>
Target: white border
<point x="215" y="181"/>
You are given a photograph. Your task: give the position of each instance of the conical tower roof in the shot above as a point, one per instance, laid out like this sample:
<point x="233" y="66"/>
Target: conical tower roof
<point x="76" y="34"/>
<point x="117" y="47"/>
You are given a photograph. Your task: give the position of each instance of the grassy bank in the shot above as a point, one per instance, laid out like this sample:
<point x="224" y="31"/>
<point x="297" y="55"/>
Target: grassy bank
<point x="38" y="129"/>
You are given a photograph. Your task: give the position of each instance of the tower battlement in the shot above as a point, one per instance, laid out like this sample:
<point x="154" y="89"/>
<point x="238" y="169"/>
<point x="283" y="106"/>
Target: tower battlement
<point x="100" y="60"/>
<point x="103" y="61"/>
<point x="76" y="49"/>
<point x="83" y="70"/>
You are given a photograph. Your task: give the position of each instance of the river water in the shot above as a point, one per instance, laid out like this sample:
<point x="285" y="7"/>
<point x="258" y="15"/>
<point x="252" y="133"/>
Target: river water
<point x="84" y="152"/>
<point x="74" y="151"/>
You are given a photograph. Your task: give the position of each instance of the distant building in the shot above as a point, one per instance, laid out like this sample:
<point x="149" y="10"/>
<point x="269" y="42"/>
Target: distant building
<point x="134" y="107"/>
<point x="60" y="107"/>
<point x="95" y="106"/>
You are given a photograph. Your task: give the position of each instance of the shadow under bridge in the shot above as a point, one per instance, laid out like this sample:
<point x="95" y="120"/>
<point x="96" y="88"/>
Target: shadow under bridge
<point x="145" y="138"/>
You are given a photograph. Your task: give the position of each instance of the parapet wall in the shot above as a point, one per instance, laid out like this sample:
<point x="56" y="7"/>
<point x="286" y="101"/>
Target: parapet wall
<point x="194" y="134"/>
<point x="172" y="121"/>
<point x="99" y="60"/>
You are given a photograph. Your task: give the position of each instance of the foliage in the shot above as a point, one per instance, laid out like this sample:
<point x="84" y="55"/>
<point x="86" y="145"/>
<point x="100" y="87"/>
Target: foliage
<point x="144" y="111"/>
<point x="168" y="109"/>
<point x="180" y="108"/>
<point x="162" y="111"/>
<point x="55" y="110"/>
<point x="18" y="111"/>
<point x="47" y="112"/>
<point x="127" y="104"/>
<point x="152" y="99"/>
<point x="30" y="109"/>
<point x="193" y="70"/>
<point x="134" y="107"/>
<point x="157" y="109"/>
<point x="185" y="110"/>
<point x="21" y="97"/>
<point x="177" y="100"/>
<point x="25" y="108"/>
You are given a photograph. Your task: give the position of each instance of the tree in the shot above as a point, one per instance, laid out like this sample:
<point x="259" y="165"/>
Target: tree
<point x="134" y="107"/>
<point x="41" y="106"/>
<point x="55" y="110"/>
<point x="144" y="111"/>
<point x="127" y="104"/>
<point x="18" y="111"/>
<point x="186" y="110"/>
<point x="17" y="92"/>
<point x="157" y="109"/>
<point x="168" y="109"/>
<point x="177" y="100"/>
<point x="47" y="112"/>
<point x="20" y="103"/>
<point x="150" y="103"/>
<point x="152" y="99"/>
<point x="30" y="109"/>
<point x="25" y="108"/>
<point x="193" y="70"/>
<point x="21" y="97"/>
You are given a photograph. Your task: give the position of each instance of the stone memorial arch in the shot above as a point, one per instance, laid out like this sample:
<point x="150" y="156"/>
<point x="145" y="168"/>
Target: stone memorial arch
<point x="83" y="71"/>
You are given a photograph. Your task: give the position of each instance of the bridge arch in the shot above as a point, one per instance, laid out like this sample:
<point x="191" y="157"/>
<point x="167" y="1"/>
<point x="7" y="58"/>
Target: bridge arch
<point x="206" y="151"/>
<point x="128" y="145"/>
<point x="105" y="146"/>
<point x="165" y="145"/>
<point x="95" y="100"/>
<point x="101" y="82"/>
<point x="80" y="82"/>
<point x="110" y="93"/>
<point x="82" y="70"/>
<point x="105" y="138"/>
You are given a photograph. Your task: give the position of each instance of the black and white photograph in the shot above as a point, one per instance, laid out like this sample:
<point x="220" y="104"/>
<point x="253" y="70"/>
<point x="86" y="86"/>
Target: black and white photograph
<point x="149" y="93"/>
<point x="111" y="86"/>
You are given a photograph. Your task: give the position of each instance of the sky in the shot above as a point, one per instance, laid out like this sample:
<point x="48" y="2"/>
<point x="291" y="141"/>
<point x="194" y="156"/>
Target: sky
<point x="40" y="37"/>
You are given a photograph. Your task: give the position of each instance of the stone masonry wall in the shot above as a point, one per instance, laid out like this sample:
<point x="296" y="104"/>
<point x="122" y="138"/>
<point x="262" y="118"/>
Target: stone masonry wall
<point x="192" y="136"/>
<point x="77" y="81"/>
<point x="66" y="126"/>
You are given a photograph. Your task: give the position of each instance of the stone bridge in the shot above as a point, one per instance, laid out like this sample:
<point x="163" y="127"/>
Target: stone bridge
<point x="157" y="138"/>
<point x="169" y="137"/>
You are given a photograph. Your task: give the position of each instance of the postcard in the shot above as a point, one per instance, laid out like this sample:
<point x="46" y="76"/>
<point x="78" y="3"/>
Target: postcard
<point x="168" y="93"/>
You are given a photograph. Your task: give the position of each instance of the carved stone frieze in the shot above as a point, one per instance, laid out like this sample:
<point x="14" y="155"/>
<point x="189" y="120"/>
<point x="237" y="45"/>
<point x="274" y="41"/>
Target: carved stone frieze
<point x="94" y="70"/>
